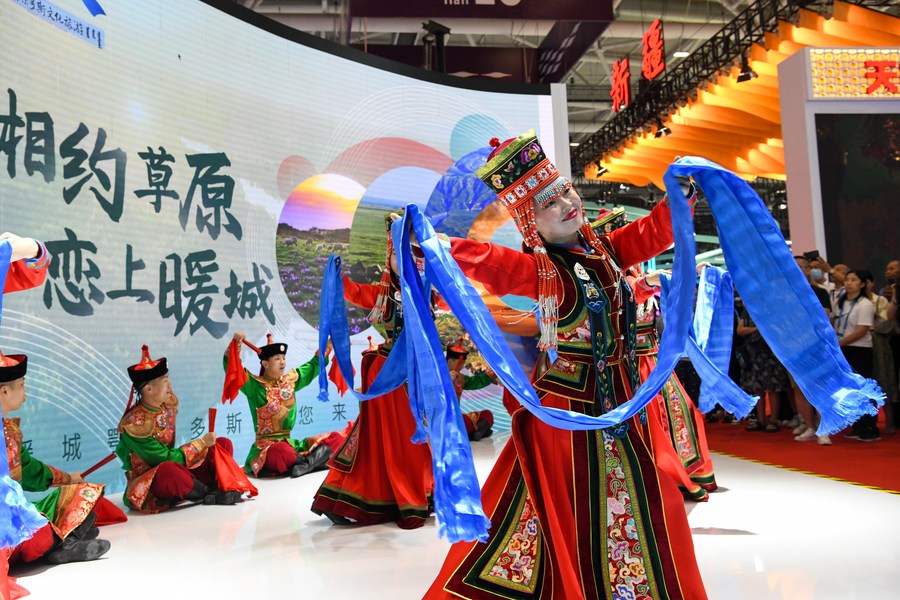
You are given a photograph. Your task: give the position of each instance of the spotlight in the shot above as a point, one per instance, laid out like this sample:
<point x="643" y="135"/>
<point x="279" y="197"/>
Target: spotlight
<point x="661" y="129"/>
<point x="601" y="170"/>
<point x="746" y="73"/>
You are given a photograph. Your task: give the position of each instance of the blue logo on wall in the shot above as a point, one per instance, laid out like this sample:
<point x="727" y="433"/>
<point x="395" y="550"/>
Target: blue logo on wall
<point x="94" y="7"/>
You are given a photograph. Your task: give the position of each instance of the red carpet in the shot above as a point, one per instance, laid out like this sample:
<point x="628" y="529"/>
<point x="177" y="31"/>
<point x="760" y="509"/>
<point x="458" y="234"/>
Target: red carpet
<point x="872" y="464"/>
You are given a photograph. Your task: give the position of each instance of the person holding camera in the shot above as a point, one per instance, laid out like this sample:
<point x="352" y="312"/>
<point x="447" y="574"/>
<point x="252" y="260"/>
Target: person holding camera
<point x="835" y="275"/>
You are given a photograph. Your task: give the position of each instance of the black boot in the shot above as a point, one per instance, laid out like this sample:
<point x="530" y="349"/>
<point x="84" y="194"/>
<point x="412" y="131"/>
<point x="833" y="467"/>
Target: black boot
<point x="337" y="519"/>
<point x="86" y="531"/>
<point x="75" y="550"/>
<point x="222" y="498"/>
<point x="198" y="493"/>
<point x="482" y="430"/>
<point x="316" y="460"/>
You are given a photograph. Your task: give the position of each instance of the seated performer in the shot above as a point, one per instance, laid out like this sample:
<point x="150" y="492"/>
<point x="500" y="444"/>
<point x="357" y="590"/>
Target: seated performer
<point x="479" y="422"/>
<point x="160" y="475"/>
<point x="27" y="269"/>
<point x="274" y="411"/>
<point x="70" y="534"/>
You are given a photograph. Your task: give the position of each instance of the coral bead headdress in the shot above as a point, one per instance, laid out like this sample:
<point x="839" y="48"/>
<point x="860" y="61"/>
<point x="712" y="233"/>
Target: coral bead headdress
<point x="520" y="173"/>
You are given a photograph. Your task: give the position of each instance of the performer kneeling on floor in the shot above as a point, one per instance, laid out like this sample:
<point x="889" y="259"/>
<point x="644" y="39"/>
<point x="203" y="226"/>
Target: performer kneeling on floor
<point x="160" y="475"/>
<point x="70" y="535"/>
<point x="273" y="407"/>
<point x="478" y="422"/>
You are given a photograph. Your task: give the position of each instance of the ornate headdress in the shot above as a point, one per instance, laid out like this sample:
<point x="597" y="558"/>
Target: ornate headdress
<point x="520" y="174"/>
<point x="271" y="348"/>
<point x="148" y="369"/>
<point x="457" y="351"/>
<point x="12" y="367"/>
<point x="609" y="220"/>
<point x="379" y="311"/>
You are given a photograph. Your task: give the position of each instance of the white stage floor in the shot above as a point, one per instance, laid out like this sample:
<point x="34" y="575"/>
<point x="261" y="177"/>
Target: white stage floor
<point x="768" y="534"/>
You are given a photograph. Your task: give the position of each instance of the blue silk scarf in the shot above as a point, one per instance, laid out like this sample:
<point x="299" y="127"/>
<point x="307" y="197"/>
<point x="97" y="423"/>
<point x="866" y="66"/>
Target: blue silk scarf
<point x="779" y="298"/>
<point x="333" y="324"/>
<point x="457" y="495"/>
<point x="709" y="344"/>
<point x="18" y="517"/>
<point x="713" y="331"/>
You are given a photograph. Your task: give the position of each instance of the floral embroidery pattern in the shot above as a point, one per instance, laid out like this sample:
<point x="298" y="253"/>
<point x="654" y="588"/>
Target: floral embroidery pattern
<point x="627" y="575"/>
<point x="13" y="441"/>
<point x="517" y="563"/>
<point x="681" y="427"/>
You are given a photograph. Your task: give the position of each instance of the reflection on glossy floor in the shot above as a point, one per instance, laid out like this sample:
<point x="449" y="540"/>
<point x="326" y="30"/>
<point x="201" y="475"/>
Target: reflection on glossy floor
<point x="768" y="534"/>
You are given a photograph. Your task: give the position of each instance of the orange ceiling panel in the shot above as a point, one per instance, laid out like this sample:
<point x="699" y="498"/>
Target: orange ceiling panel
<point x="738" y="124"/>
<point x="862" y="17"/>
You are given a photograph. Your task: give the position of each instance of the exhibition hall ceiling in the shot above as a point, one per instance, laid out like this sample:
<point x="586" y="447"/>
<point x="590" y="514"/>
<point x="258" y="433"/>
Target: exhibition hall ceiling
<point x="507" y="49"/>
<point x="687" y="24"/>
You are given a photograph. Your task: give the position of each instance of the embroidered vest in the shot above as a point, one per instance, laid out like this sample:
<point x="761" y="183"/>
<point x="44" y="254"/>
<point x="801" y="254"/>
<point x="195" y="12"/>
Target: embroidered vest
<point x="596" y="331"/>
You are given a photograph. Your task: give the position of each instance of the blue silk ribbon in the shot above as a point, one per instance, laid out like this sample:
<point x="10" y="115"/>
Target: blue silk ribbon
<point x="333" y="324"/>
<point x="457" y="493"/>
<point x="710" y="329"/>
<point x="779" y="298"/>
<point x="757" y="255"/>
<point x="713" y="331"/>
<point x="18" y="517"/>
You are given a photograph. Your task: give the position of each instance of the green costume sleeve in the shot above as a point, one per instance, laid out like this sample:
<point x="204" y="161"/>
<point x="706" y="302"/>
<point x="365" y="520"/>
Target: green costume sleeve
<point x="478" y="381"/>
<point x="36" y="476"/>
<point x="307" y="372"/>
<point x="151" y="450"/>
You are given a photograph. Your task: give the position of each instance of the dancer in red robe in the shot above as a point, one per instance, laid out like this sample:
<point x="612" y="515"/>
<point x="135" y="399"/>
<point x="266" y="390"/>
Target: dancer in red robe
<point x="575" y="515"/>
<point x="674" y="428"/>
<point x="379" y="475"/>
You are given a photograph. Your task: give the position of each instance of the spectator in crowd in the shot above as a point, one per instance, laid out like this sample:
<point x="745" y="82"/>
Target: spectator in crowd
<point x="761" y="374"/>
<point x="806" y="430"/>
<point x="884" y="368"/>
<point x="853" y="317"/>
<point x="836" y="274"/>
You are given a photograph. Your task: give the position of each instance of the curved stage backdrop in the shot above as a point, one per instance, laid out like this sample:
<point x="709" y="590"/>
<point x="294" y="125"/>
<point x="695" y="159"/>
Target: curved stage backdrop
<point x="190" y="172"/>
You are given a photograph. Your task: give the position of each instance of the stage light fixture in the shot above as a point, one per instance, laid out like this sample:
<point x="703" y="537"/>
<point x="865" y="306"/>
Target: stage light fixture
<point x="661" y="129"/>
<point x="746" y="73"/>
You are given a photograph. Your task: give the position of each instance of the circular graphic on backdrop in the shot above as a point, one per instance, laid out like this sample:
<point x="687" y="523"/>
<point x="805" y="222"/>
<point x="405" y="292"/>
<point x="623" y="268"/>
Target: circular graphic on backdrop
<point x="292" y="170"/>
<point x="314" y="223"/>
<point x="368" y="236"/>
<point x="473" y="132"/>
